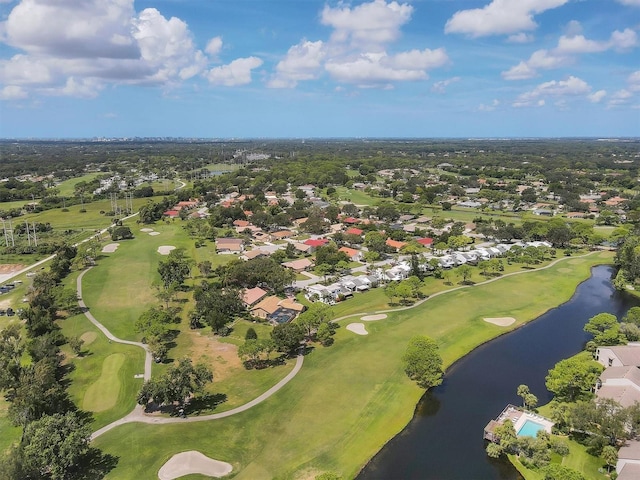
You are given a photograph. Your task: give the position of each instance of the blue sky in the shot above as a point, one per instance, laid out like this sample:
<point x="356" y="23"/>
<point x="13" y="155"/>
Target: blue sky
<point x="307" y="68"/>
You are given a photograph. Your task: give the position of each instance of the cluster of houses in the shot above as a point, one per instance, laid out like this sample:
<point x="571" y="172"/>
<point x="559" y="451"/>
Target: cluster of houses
<point x="271" y="308"/>
<point x="620" y="381"/>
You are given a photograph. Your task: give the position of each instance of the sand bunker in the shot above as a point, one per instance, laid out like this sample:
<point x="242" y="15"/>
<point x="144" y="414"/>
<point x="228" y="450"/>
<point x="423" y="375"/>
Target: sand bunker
<point x="165" y="249"/>
<point x="357" y="328"/>
<point x="371" y="318"/>
<point x="88" y="337"/>
<point x="146" y="230"/>
<point x="153" y="234"/>
<point x="501" y="321"/>
<point x="110" y="248"/>
<point x="186" y="463"/>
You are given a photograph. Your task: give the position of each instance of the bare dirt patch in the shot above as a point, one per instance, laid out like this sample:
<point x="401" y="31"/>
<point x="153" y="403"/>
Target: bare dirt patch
<point x="357" y="328"/>
<point x="10" y="267"/>
<point x="110" y="247"/>
<point x="88" y="337"/>
<point x="222" y="357"/>
<point x="186" y="463"/>
<point x="501" y="321"/>
<point x="373" y="318"/>
<point x="165" y="249"/>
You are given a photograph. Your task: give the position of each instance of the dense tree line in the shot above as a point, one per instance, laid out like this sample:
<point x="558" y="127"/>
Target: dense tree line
<point x="55" y="439"/>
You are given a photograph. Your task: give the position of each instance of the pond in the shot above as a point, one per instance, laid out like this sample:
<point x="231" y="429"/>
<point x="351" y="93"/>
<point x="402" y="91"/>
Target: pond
<point x="444" y="439"/>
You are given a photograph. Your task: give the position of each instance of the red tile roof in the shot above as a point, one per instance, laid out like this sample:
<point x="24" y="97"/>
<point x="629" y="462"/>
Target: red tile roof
<point x="353" y="231"/>
<point x="316" y="242"/>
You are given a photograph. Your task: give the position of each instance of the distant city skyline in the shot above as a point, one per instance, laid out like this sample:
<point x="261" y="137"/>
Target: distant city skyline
<point x="315" y="69"/>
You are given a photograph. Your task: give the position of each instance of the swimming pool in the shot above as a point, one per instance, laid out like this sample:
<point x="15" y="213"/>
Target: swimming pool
<point x="530" y="429"/>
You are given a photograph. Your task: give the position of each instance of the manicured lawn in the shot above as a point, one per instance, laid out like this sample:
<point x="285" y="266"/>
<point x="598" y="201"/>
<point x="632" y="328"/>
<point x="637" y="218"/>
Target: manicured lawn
<point x="128" y="274"/>
<point x="357" y="197"/>
<point x="67" y="188"/>
<point x="103" y="393"/>
<point x="348" y="399"/>
<point x="578" y="459"/>
<point x="94" y="373"/>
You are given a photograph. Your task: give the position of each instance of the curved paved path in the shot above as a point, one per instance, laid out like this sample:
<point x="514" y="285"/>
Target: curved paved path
<point x="138" y="415"/>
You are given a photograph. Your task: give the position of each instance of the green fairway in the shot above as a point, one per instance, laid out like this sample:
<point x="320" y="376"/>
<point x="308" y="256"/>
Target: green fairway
<point x="357" y="197"/>
<point x="97" y="369"/>
<point x="120" y="288"/>
<point x="103" y="393"/>
<point x="67" y="188"/>
<point x="349" y="399"/>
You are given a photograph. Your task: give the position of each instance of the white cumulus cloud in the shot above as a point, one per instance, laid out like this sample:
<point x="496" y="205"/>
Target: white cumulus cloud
<point x="302" y="62"/>
<point x="567" y="48"/>
<point x="358" y="50"/>
<point x="500" y="17"/>
<point x="13" y="92"/>
<point x="236" y="73"/>
<point x="596" y="97"/>
<point x="572" y="86"/>
<point x="368" y="24"/>
<point x="77" y="48"/>
<point x="441" y="86"/>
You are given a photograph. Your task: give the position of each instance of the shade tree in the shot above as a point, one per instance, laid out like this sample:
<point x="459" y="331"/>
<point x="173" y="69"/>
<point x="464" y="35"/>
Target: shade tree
<point x="422" y="361"/>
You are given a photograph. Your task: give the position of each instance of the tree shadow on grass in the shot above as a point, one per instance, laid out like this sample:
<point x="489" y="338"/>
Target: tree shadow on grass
<point x="204" y="403"/>
<point x="96" y="464"/>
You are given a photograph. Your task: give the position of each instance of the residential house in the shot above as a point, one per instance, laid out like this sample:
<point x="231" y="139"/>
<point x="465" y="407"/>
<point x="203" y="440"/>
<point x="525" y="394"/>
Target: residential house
<point x="229" y="245"/>
<point x="394" y="244"/>
<point x="241" y="224"/>
<point x="261" y="236"/>
<point x="299" y="265"/>
<point x="306" y="249"/>
<point x="353" y="254"/>
<point x="266" y="307"/>
<point x="251" y="296"/>
<point x="314" y="243"/>
<point x="628" y="466"/>
<point x="354" y="231"/>
<point x="425" y="241"/>
<point x="621" y="384"/>
<point x="255" y="253"/>
<point x="282" y="235"/>
<point x="619" y="355"/>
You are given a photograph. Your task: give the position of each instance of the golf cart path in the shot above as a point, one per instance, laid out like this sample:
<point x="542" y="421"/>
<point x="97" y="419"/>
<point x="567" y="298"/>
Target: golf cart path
<point x="138" y="415"/>
<point x="442" y="292"/>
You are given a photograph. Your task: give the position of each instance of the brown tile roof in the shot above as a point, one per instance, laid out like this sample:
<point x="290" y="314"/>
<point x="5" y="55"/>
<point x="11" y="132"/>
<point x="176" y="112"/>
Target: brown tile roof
<point x="268" y="305"/>
<point x="299" y="264"/>
<point x="253" y="295"/>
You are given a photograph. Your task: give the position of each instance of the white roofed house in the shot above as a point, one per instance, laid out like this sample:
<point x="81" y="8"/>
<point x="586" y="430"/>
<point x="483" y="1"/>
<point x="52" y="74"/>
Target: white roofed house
<point x="619" y="355"/>
<point x="628" y="466"/>
<point x="621" y="384"/>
